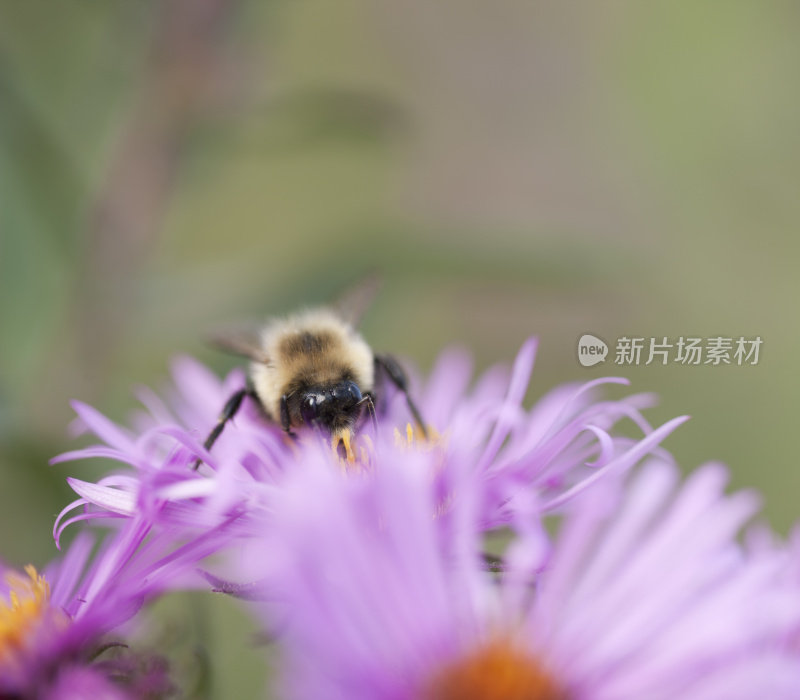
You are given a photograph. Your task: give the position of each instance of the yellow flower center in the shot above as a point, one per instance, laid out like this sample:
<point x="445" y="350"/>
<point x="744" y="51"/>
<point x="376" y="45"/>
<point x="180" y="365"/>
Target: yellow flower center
<point x="414" y="438"/>
<point x="354" y="452"/>
<point x="498" y="671"/>
<point x="342" y="445"/>
<point x="29" y="600"/>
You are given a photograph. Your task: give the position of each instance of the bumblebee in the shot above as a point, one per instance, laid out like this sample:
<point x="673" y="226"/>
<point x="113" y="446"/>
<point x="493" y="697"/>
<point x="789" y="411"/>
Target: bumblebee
<point x="313" y="369"/>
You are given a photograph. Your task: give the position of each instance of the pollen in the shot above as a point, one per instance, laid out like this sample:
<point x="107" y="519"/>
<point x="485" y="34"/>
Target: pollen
<point x="344" y="440"/>
<point x="28" y="602"/>
<point x="414" y="437"/>
<point x="498" y="671"/>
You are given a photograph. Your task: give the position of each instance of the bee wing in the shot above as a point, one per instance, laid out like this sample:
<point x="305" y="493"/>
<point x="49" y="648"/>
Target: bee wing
<point x="354" y="301"/>
<point x="242" y="341"/>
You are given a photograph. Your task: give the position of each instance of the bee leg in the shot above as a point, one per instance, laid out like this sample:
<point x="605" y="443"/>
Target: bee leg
<point x="232" y="406"/>
<point x="285" y="421"/>
<point x="398" y="377"/>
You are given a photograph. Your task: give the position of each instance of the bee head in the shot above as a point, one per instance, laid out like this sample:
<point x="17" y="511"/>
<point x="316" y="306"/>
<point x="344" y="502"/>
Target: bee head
<point x="331" y="407"/>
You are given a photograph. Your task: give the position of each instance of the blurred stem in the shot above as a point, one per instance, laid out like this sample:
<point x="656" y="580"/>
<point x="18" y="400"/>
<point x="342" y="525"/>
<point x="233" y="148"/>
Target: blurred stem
<point x="185" y="64"/>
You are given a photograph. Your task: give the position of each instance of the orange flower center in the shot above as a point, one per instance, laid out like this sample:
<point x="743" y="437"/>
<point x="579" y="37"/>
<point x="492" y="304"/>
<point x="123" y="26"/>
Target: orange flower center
<point x="499" y="671"/>
<point x="29" y="599"/>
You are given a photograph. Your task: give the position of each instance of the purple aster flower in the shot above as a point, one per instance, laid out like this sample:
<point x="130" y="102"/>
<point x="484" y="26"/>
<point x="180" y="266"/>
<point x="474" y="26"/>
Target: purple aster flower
<point x="550" y="453"/>
<point x="53" y="624"/>
<point x="645" y="593"/>
<point x="157" y="483"/>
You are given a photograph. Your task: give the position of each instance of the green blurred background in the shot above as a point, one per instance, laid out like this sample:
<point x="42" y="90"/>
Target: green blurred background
<point x="618" y="168"/>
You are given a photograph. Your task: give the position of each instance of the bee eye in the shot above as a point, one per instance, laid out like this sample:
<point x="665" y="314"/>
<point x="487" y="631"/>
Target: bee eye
<point x="309" y="409"/>
<point x="347" y="394"/>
